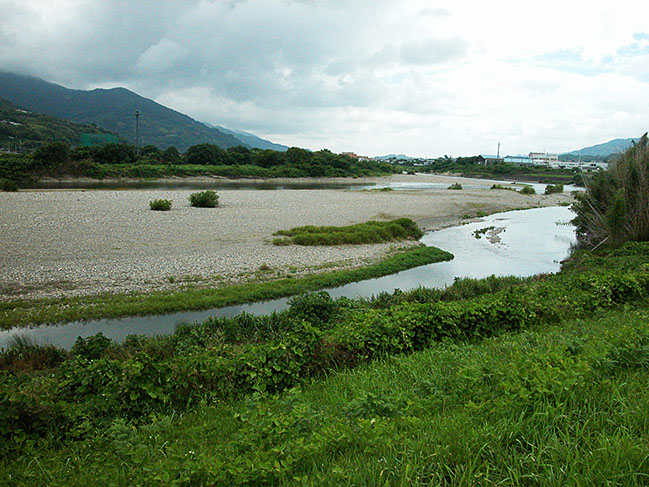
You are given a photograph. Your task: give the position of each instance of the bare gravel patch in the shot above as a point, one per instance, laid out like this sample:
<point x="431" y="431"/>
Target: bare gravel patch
<point x="57" y="243"/>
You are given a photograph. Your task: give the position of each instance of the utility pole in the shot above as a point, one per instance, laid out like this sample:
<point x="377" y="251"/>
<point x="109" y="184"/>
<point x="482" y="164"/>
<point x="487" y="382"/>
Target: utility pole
<point x="498" y="155"/>
<point x="137" y="132"/>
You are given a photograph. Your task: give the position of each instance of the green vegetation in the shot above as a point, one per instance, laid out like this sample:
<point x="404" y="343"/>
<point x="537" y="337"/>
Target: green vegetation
<point x="615" y="207"/>
<point x="204" y="199"/>
<point x="120" y="161"/>
<point x="481" y="231"/>
<point x="160" y="205"/>
<point x="468" y="166"/>
<point x="8" y="185"/>
<point x="33" y="312"/>
<point x="361" y="233"/>
<point x="500" y="186"/>
<point x="554" y="188"/>
<point x="500" y="380"/>
<point x="25" y="130"/>
<point x="527" y="189"/>
<point x="455" y="186"/>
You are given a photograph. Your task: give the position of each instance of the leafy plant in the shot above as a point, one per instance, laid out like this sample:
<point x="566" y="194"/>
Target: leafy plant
<point x="160" y="205"/>
<point x="455" y="186"/>
<point x="204" y="199"/>
<point x="527" y="189"/>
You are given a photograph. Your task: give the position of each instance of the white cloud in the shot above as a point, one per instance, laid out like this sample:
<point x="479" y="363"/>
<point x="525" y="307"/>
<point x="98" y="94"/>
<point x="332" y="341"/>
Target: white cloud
<point x="369" y="76"/>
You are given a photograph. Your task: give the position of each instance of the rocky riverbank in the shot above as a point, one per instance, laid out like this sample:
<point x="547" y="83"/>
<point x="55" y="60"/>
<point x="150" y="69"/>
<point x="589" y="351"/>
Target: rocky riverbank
<point x="65" y="243"/>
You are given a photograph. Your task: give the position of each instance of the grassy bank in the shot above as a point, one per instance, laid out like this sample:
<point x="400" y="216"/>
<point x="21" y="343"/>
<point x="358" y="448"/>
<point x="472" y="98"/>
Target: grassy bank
<point x="501" y="381"/>
<point x="33" y="312"/>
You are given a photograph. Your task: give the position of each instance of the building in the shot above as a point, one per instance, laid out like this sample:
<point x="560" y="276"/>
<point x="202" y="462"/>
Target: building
<point x="489" y="159"/>
<point x="544" y="159"/>
<point x="523" y="160"/>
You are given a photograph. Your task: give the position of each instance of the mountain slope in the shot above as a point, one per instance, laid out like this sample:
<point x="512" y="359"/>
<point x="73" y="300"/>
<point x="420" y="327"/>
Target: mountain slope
<point x="21" y="129"/>
<point x="113" y="110"/>
<point x="252" y="140"/>
<point x="611" y="147"/>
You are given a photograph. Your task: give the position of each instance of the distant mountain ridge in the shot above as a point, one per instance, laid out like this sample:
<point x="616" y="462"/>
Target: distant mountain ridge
<point x="401" y="157"/>
<point x="251" y="139"/>
<point x="609" y="148"/>
<point x="114" y="110"/>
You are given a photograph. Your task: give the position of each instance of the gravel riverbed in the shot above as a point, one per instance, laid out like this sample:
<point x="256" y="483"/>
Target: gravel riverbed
<point x="66" y="243"/>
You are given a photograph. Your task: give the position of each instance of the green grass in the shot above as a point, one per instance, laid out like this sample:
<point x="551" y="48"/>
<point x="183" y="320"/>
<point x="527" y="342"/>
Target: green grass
<point x="559" y="406"/>
<point x="362" y="233"/>
<point x="25" y="313"/>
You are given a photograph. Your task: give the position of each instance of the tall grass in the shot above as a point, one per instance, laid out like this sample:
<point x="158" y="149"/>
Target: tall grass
<point x="615" y="207"/>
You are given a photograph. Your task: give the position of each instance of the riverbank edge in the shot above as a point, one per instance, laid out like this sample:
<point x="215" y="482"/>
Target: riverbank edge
<point x="25" y="313"/>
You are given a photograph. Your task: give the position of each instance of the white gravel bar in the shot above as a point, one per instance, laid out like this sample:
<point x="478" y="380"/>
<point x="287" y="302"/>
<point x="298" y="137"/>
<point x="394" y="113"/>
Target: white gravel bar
<point x="75" y="242"/>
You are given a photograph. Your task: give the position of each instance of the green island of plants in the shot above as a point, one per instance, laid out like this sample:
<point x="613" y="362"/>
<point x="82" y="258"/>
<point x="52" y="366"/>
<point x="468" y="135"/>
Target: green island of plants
<point x="527" y="189"/>
<point x="361" y="233"/>
<point x="455" y="186"/>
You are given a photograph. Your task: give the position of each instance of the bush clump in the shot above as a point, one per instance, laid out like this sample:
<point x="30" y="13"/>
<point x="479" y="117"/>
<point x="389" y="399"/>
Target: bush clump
<point x="8" y="185"/>
<point x="554" y="188"/>
<point x="527" y="190"/>
<point x="204" y="199"/>
<point x="160" y="205"/>
<point x="455" y="186"/>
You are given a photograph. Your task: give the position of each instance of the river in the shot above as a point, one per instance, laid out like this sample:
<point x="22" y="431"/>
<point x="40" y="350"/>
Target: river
<point x="519" y="243"/>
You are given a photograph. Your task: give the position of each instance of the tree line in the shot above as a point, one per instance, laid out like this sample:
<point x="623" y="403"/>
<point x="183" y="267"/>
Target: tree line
<point x="123" y="160"/>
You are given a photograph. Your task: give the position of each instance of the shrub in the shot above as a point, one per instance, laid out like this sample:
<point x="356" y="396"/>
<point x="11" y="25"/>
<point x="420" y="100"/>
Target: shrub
<point x="160" y="205"/>
<point x="204" y="199"/>
<point x="8" y="185"/>
<point x="554" y="188"/>
<point x="527" y="190"/>
<point x="455" y="186"/>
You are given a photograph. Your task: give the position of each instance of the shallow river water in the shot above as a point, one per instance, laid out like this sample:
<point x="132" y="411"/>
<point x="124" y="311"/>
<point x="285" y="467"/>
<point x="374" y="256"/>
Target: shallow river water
<point x="521" y="243"/>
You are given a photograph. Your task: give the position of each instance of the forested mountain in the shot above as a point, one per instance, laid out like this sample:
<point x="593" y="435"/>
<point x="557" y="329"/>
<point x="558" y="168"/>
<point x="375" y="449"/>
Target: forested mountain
<point x="113" y="110"/>
<point x="611" y="147"/>
<point x="21" y="129"/>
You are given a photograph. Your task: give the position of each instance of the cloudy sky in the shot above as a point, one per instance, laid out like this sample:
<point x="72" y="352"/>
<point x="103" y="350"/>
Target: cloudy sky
<point x="425" y="78"/>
